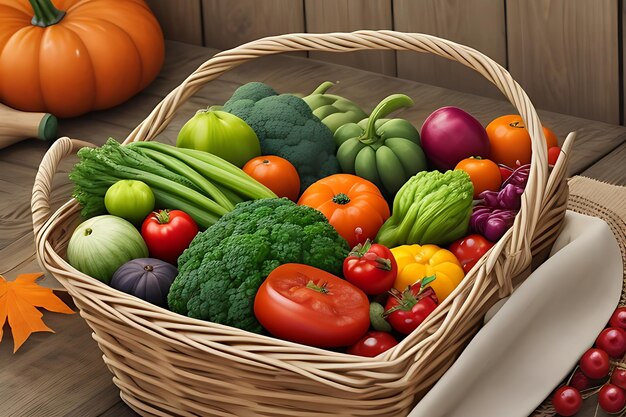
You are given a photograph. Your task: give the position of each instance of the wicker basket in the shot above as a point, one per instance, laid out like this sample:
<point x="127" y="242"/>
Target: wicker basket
<point x="168" y="364"/>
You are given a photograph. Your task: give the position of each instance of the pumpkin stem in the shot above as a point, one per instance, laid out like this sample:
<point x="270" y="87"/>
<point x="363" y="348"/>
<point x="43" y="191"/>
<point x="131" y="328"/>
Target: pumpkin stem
<point x="45" y="13"/>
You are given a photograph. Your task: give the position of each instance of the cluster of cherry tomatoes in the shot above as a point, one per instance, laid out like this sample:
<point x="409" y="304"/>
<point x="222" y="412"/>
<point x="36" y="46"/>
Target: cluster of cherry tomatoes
<point x="594" y="375"/>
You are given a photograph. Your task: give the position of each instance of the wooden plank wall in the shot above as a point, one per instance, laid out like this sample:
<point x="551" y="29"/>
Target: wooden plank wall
<point x="476" y="23"/>
<point x="565" y="53"/>
<point x="349" y="15"/>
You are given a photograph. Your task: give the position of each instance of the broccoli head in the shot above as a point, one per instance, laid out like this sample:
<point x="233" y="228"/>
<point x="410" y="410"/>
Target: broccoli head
<point x="286" y="127"/>
<point x="224" y="266"/>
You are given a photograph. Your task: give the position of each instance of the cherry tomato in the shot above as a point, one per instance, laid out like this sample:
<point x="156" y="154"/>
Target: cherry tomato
<point x="612" y="341"/>
<point x="307" y="305"/>
<point x="618" y="318"/>
<point x="553" y="155"/>
<point x="510" y="141"/>
<point x="408" y="309"/>
<point x="611" y="398"/>
<point x="618" y="377"/>
<point x="580" y="381"/>
<point x="469" y="249"/>
<point x="276" y="173"/>
<point x="595" y="363"/>
<point x="373" y="344"/>
<point x="484" y="174"/>
<point x="505" y="172"/>
<point x="371" y="267"/>
<point x="168" y="233"/>
<point x="567" y="401"/>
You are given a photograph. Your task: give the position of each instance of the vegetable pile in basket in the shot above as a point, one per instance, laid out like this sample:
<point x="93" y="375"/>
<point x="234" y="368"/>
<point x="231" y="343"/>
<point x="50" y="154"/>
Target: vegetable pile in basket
<point x="303" y="218"/>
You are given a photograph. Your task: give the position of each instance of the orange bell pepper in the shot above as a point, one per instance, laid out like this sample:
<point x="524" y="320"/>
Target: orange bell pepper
<point x="418" y="261"/>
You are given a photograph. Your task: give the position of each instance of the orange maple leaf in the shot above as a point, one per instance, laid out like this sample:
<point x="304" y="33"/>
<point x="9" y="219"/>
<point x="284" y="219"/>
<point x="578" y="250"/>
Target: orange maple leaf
<point x="18" y="302"/>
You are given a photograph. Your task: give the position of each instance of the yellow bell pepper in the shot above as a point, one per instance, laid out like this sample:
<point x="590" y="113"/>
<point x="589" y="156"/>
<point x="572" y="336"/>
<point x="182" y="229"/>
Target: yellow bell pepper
<point x="418" y="261"/>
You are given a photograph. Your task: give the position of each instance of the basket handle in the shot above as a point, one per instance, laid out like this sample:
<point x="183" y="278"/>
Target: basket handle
<point x="518" y="246"/>
<point x="40" y="200"/>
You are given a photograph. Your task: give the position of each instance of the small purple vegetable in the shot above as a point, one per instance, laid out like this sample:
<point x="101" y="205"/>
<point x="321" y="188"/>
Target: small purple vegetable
<point x="491" y="222"/>
<point x="147" y="278"/>
<point x="509" y="197"/>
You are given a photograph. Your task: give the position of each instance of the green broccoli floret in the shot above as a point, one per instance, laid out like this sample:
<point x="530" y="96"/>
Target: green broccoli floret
<point x="224" y="266"/>
<point x="286" y="126"/>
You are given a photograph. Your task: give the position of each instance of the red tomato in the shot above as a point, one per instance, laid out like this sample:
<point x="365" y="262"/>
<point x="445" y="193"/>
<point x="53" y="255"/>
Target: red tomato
<point x="618" y="318"/>
<point x="469" y="249"/>
<point x="618" y="377"/>
<point x="611" y="398"/>
<point x="553" y="155"/>
<point x="276" y="173"/>
<point x="307" y="305"/>
<point x="371" y="267"/>
<point x="373" y="344"/>
<point x="505" y="172"/>
<point x="612" y="341"/>
<point x="408" y="309"/>
<point x="168" y="233"/>
<point x="595" y="363"/>
<point x="567" y="401"/>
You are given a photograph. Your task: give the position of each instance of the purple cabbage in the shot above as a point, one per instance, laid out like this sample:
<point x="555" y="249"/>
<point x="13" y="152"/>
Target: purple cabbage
<point x="491" y="222"/>
<point x="509" y="197"/>
<point x="496" y="213"/>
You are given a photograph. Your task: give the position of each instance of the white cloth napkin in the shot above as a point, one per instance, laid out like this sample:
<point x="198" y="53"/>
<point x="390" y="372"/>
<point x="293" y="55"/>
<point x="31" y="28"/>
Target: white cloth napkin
<point x="538" y="335"/>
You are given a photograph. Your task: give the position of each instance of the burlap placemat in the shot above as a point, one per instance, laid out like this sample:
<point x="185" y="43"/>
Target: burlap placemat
<point x="607" y="202"/>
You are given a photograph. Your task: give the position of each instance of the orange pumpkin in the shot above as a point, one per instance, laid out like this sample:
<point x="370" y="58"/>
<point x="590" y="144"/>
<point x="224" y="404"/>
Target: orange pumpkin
<point x="86" y="55"/>
<point x="348" y="202"/>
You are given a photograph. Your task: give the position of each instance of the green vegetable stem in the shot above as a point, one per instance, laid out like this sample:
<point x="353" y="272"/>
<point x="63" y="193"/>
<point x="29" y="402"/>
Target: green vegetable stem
<point x="386" y="152"/>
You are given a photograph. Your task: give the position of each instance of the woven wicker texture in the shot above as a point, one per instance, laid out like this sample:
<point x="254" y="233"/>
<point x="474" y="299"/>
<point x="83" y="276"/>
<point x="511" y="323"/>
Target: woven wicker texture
<point x="167" y="364"/>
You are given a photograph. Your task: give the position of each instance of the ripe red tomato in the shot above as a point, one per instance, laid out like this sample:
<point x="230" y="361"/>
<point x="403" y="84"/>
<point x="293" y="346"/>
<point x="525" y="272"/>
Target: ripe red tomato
<point x="168" y="233"/>
<point x="373" y="344"/>
<point x="595" y="363"/>
<point x="611" y="398"/>
<point x="408" y="309"/>
<point x="567" y="401"/>
<point x="484" y="174"/>
<point x="612" y="341"/>
<point x="553" y="155"/>
<point x="371" y="267"/>
<point x="505" y="172"/>
<point x="469" y="249"/>
<point x="618" y="377"/>
<point x="618" y="318"/>
<point x="277" y="174"/>
<point x="307" y="305"/>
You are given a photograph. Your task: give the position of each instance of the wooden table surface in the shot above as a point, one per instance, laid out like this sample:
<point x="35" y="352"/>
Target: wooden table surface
<point x="63" y="374"/>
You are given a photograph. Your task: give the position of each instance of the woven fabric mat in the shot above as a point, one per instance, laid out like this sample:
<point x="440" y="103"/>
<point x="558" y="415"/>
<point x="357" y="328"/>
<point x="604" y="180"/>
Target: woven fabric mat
<point x="607" y="202"/>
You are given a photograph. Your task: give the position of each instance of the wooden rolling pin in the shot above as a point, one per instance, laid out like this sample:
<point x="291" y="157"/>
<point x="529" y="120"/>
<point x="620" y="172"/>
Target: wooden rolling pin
<point x="16" y="126"/>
